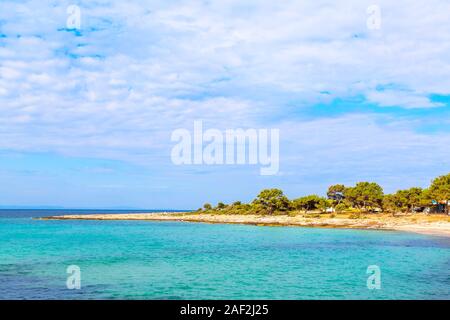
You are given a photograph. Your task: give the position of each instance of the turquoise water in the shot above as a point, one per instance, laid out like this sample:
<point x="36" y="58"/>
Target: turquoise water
<point x="174" y="260"/>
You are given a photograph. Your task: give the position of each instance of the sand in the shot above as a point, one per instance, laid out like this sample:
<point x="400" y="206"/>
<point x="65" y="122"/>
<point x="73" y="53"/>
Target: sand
<point x="437" y="225"/>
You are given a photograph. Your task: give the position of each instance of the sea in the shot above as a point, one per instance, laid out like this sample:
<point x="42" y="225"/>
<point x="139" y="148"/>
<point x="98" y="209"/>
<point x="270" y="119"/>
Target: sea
<point x="67" y="259"/>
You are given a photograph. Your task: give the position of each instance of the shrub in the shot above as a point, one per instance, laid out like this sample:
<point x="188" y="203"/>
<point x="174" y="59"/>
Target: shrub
<point x="221" y="205"/>
<point x="341" y="207"/>
<point x="310" y="202"/>
<point x="207" y="206"/>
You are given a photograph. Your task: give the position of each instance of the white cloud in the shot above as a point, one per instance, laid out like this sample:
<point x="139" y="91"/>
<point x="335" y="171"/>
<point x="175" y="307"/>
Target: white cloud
<point x="397" y="98"/>
<point x="140" y="70"/>
<point x="361" y="147"/>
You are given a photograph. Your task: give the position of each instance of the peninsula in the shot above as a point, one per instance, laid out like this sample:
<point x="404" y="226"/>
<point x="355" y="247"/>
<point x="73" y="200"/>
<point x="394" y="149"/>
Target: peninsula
<point x="363" y="206"/>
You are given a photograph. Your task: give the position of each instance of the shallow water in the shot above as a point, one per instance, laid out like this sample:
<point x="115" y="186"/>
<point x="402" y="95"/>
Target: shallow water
<point x="176" y="260"/>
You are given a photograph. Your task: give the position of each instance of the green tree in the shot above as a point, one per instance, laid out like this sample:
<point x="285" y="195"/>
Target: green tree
<point x="207" y="206"/>
<point x="221" y="205"/>
<point x="405" y="200"/>
<point x="271" y="200"/>
<point x="336" y="188"/>
<point x="440" y="188"/>
<point x="412" y="197"/>
<point x="336" y="193"/>
<point x="341" y="207"/>
<point x="365" y="195"/>
<point x="426" y="198"/>
<point x="324" y="204"/>
<point x="310" y="202"/>
<point x="391" y="203"/>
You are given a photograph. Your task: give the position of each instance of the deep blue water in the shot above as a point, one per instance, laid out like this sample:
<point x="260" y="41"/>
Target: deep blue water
<point x="176" y="260"/>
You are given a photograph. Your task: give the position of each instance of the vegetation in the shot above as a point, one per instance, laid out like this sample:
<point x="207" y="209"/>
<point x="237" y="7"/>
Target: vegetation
<point x="363" y="197"/>
<point x="272" y="200"/>
<point x="309" y="203"/>
<point x="405" y="200"/>
<point x="440" y="188"/>
<point x="207" y="206"/>
<point x="341" y="207"/>
<point x="221" y="205"/>
<point x="336" y="193"/>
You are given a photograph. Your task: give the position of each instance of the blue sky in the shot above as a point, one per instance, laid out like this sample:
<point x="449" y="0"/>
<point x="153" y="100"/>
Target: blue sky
<point x="86" y="115"/>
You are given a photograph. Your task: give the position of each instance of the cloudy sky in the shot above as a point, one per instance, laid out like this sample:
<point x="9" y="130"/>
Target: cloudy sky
<point x="86" y="115"/>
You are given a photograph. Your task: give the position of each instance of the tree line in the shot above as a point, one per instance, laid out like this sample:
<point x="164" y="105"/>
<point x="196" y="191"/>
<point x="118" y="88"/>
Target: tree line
<point x="364" y="197"/>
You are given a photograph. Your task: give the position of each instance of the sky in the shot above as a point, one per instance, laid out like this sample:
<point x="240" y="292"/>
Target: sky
<point x="86" y="114"/>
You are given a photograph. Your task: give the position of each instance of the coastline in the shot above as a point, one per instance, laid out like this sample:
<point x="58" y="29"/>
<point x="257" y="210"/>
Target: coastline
<point x="424" y="224"/>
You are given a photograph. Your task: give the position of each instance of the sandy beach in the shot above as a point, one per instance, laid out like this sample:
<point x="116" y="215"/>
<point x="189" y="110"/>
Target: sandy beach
<point x="426" y="224"/>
